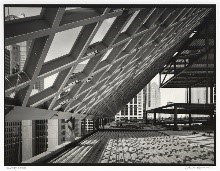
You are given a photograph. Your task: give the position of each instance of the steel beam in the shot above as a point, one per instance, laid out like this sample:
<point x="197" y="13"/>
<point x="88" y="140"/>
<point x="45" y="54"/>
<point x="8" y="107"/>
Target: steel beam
<point x="81" y="45"/>
<point x="34" y="27"/>
<point x="52" y="68"/>
<point x="136" y="56"/>
<point x="19" y="113"/>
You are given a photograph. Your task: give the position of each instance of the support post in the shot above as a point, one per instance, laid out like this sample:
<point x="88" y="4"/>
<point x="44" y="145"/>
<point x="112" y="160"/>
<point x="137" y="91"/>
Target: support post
<point x="160" y="79"/>
<point x="190" y="119"/>
<point x="84" y="127"/>
<point x="211" y="117"/>
<point x="207" y="59"/>
<point x="155" y="119"/>
<point x="175" y="118"/>
<point x="211" y="94"/>
<point x="103" y="123"/>
<point x="146" y="117"/>
<point x="190" y="115"/>
<point x="190" y="95"/>
<point x="93" y="125"/>
<point x="100" y="122"/>
<point x="175" y="67"/>
<point x="206" y="92"/>
<point x="187" y="95"/>
<point x="212" y="120"/>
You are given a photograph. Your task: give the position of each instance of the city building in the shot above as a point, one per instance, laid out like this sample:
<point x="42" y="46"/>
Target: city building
<point x="153" y="96"/>
<point x="13" y="134"/>
<point x="15" y="58"/>
<point x="148" y="98"/>
<point x="7" y="62"/>
<point x="88" y="125"/>
<point x="133" y="110"/>
<point x="12" y="142"/>
<point x="41" y="136"/>
<point x="27" y="138"/>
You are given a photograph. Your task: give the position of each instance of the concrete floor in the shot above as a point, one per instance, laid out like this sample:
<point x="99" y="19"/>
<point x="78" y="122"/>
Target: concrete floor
<point x="201" y="138"/>
<point x="149" y="147"/>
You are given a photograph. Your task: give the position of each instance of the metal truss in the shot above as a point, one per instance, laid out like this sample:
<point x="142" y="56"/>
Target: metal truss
<point x="194" y="64"/>
<point x="135" y="56"/>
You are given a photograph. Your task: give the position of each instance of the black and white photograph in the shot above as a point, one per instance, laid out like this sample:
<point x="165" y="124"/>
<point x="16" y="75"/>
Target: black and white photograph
<point x="109" y="85"/>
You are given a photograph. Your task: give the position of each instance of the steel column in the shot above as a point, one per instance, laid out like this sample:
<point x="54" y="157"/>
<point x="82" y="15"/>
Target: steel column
<point x="175" y="118"/>
<point x="190" y="91"/>
<point x="155" y="117"/>
<point x="190" y="119"/>
<point x="211" y="94"/>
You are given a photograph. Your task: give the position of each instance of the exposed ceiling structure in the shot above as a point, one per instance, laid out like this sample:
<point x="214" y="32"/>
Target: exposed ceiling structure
<point x="184" y="108"/>
<point x="139" y="42"/>
<point x="194" y="64"/>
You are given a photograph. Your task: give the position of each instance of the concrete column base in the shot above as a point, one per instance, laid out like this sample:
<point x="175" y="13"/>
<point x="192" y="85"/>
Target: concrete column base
<point x="28" y="139"/>
<point x="54" y="133"/>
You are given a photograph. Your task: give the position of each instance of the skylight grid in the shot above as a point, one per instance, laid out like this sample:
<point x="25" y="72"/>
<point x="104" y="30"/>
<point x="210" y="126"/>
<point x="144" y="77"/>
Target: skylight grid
<point x="67" y="36"/>
<point x="105" y="26"/>
<point x="130" y="21"/>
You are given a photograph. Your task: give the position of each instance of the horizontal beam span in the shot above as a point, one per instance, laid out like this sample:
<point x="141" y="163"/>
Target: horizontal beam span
<point x="183" y="111"/>
<point x="19" y="113"/>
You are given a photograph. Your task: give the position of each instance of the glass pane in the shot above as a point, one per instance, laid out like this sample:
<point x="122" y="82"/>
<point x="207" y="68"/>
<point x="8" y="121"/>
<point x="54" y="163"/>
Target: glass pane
<point x="34" y="91"/>
<point x="12" y="13"/>
<point x="105" y="26"/>
<point x="106" y="55"/>
<point x="131" y="110"/>
<point x="72" y="8"/>
<point x="48" y="82"/>
<point x="84" y="62"/>
<point x="62" y="43"/>
<point x="130" y="21"/>
<point x="79" y="68"/>
<point x="38" y="86"/>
